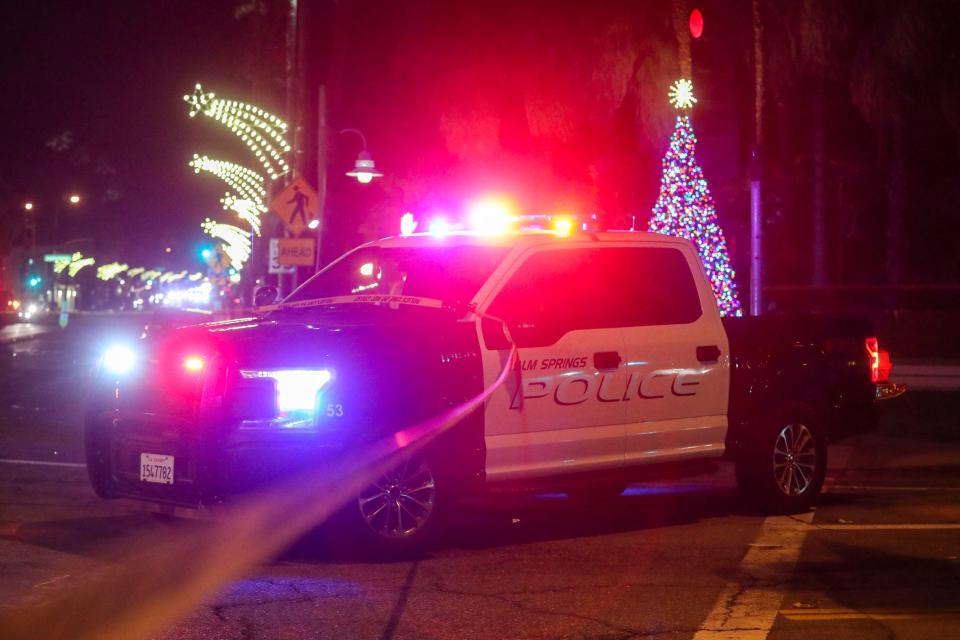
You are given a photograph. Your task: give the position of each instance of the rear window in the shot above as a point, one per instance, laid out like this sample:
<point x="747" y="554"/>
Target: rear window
<point x="594" y="288"/>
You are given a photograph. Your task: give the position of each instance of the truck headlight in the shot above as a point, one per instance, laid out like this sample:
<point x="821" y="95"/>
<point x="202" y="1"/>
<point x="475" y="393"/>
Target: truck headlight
<point x="297" y="389"/>
<point x="119" y="359"/>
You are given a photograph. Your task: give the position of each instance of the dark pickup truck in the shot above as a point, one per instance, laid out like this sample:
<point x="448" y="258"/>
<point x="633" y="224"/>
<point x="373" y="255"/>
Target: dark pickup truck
<point x="624" y="368"/>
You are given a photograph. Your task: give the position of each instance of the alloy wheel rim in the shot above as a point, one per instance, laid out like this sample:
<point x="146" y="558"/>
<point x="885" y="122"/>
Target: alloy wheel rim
<point x="794" y="459"/>
<point x="400" y="502"/>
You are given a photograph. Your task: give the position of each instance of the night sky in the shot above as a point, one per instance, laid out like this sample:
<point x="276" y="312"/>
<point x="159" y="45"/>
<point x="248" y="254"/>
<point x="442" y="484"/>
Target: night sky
<point x="113" y="74"/>
<point x="557" y="104"/>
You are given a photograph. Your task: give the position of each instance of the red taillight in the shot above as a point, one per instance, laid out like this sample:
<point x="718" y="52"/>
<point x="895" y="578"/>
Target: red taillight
<point x="880" y="365"/>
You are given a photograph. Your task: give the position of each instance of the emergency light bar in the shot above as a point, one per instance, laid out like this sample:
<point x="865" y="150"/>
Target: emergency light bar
<point x="496" y="222"/>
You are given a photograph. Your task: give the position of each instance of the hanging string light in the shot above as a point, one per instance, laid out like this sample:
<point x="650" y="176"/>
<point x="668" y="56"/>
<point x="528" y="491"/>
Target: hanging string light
<point x="248" y="210"/>
<point x="236" y="241"/>
<point x="249" y="193"/>
<point x="76" y="265"/>
<point x="262" y="132"/>
<point x="110" y="271"/>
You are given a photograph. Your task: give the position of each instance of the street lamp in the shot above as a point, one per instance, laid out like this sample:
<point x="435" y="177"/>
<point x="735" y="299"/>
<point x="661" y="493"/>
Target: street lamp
<point x="364" y="169"/>
<point x="28" y="206"/>
<point x="74" y="198"/>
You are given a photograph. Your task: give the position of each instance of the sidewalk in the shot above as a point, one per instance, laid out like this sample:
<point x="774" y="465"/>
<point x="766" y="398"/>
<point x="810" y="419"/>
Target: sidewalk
<point x="927" y="376"/>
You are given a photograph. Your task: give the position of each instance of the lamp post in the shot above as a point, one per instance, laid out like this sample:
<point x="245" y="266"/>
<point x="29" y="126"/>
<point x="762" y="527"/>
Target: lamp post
<point x="33" y="211"/>
<point x="364" y="169"/>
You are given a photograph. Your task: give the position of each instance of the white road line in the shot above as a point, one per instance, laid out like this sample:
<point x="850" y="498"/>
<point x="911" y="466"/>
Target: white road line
<point x="747" y="608"/>
<point x="837" y="487"/>
<point x="906" y="526"/>
<point x="43" y="463"/>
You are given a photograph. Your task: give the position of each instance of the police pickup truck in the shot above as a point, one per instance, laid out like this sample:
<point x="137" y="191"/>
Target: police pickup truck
<point x="624" y="368"/>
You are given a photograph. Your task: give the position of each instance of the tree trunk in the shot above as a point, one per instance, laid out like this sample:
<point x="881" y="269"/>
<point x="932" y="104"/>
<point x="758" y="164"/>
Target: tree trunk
<point x="819" y="186"/>
<point x="897" y="200"/>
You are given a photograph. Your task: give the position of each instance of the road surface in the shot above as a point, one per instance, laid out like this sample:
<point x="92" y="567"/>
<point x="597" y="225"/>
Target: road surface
<point x="877" y="559"/>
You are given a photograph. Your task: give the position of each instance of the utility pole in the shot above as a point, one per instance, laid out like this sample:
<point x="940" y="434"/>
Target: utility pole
<point x="293" y="70"/>
<point x="323" y="145"/>
<point x="756" y="209"/>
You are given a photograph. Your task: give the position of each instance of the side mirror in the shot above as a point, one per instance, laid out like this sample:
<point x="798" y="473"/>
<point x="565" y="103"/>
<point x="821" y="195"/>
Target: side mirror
<point x="265" y="295"/>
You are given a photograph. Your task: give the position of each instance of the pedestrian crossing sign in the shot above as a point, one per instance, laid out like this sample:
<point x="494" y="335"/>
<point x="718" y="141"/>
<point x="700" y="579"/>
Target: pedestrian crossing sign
<point x="296" y="205"/>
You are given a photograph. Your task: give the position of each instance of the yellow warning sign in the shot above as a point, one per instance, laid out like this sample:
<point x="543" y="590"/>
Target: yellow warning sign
<point x="296" y="205"/>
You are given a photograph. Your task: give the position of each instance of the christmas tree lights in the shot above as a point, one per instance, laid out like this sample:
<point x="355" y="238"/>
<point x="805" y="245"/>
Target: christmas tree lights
<point x="685" y="208"/>
<point x="262" y="132"/>
<point x="236" y="241"/>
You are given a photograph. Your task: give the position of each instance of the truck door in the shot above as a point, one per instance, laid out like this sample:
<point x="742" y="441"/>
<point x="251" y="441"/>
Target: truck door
<point x="562" y="306"/>
<point x="677" y="359"/>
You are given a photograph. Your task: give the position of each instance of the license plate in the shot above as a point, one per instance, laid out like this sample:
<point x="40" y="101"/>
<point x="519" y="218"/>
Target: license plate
<point x="156" y="468"/>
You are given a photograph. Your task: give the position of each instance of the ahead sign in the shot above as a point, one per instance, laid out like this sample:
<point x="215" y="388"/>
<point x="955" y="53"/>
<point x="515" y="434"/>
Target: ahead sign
<point x="295" y="252"/>
<point x="296" y="205"/>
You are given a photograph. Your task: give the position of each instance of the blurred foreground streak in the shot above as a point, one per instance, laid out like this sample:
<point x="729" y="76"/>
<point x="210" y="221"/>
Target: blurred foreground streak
<point x="167" y="577"/>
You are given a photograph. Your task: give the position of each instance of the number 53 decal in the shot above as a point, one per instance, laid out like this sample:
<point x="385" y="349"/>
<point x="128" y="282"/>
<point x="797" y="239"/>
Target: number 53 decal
<point x="334" y="410"/>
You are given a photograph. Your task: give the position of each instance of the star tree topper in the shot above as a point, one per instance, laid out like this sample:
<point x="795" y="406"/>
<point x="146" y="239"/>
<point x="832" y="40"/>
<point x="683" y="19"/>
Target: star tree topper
<point x="681" y="94"/>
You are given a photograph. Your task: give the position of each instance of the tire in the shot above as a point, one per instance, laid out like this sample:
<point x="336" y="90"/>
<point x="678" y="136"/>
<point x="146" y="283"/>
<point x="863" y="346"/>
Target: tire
<point x="399" y="515"/>
<point x="782" y="469"/>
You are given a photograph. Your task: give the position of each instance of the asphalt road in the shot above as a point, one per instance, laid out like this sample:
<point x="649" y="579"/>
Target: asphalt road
<point x="877" y="559"/>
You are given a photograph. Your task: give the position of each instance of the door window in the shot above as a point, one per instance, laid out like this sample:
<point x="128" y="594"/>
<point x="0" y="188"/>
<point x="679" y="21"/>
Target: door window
<point x="558" y="291"/>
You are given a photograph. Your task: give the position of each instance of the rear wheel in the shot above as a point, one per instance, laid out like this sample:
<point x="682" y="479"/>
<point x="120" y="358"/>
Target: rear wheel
<point x="782" y="471"/>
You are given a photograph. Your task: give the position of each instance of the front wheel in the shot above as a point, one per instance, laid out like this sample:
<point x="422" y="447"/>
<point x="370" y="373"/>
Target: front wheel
<point x="782" y="471"/>
<point x="399" y="512"/>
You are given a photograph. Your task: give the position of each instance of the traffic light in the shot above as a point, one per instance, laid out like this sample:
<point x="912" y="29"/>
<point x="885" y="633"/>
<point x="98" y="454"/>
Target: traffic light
<point x="34" y="282"/>
<point x="205" y="252"/>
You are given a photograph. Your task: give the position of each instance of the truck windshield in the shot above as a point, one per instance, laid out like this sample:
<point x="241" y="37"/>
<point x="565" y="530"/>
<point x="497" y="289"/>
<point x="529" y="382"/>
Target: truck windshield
<point x="448" y="273"/>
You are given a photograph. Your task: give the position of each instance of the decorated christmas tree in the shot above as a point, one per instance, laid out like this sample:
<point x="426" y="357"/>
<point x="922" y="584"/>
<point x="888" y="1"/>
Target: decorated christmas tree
<point x="685" y="207"/>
